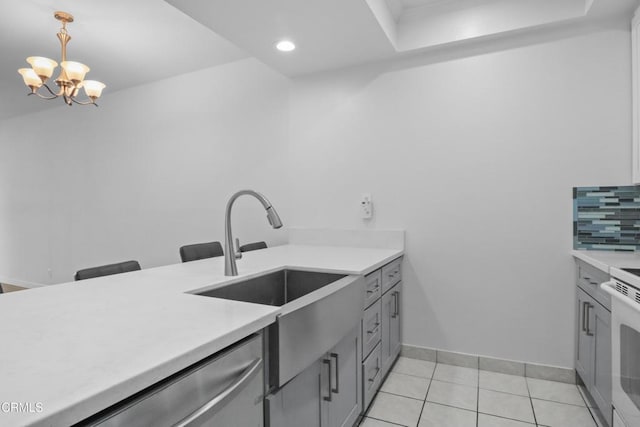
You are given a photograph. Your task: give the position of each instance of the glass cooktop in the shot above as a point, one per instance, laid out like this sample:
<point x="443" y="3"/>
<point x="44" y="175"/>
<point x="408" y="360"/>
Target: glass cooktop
<point x="635" y="271"/>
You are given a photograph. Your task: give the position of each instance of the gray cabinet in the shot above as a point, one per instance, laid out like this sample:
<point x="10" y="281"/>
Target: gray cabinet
<point x="593" y="344"/>
<point x="326" y="394"/>
<point x="342" y="398"/>
<point x="380" y="330"/>
<point x="390" y="327"/>
<point x="585" y="341"/>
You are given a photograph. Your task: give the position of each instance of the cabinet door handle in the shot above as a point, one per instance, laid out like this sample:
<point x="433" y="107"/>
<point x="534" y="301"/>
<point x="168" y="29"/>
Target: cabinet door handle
<point x="328" y="363"/>
<point x="584" y="315"/>
<point x="393" y="311"/>
<point x="589" y="307"/>
<point x="396" y="305"/>
<point x="337" y="368"/>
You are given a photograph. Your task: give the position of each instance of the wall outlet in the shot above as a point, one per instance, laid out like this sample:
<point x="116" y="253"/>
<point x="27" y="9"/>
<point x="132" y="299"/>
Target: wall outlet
<point x="366" y="206"/>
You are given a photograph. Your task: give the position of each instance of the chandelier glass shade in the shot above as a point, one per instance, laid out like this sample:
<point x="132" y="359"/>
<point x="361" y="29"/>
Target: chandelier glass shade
<point x="71" y="77"/>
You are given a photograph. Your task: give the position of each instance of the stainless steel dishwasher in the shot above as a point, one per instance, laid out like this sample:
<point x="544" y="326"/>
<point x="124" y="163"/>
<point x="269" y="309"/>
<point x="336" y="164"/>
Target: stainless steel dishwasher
<point x="223" y="390"/>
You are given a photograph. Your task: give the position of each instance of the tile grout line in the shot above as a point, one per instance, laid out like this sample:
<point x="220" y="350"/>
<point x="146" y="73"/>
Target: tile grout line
<point x="424" y="403"/>
<point x="478" y="399"/>
<point x="507" y="418"/>
<point x="535" y="418"/>
<point x="584" y="399"/>
<point x="385" y="421"/>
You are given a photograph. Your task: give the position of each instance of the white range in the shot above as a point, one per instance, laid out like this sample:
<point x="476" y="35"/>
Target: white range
<point x="624" y="288"/>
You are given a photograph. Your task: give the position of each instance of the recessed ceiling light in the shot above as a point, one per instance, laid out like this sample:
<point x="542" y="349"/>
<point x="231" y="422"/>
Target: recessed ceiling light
<point x="285" y="46"/>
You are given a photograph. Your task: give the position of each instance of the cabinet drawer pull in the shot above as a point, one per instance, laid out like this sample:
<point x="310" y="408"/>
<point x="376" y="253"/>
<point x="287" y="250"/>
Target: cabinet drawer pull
<point x="375" y="329"/>
<point x="373" y="378"/>
<point x="374" y="290"/>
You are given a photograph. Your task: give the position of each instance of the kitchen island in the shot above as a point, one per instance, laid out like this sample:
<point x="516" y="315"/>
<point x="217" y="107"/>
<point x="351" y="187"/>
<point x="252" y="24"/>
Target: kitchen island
<point x="74" y="349"/>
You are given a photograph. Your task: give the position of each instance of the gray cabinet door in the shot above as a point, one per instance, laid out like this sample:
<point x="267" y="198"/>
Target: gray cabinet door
<point x="388" y="308"/>
<point x="584" y="348"/>
<point x="390" y="327"/>
<point x="394" y="329"/>
<point x="601" y="389"/>
<point x="298" y="403"/>
<point x="346" y="400"/>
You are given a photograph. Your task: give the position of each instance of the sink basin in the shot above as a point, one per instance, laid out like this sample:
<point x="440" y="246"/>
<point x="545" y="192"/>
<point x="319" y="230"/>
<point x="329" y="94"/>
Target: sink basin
<point x="277" y="289"/>
<point x="306" y="328"/>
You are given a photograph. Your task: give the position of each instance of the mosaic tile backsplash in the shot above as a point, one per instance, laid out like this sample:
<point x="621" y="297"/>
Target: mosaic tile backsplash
<point x="606" y="218"/>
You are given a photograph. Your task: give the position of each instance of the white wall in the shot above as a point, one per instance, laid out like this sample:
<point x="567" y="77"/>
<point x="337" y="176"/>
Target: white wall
<point x="25" y="197"/>
<point x="475" y="157"/>
<point x="150" y="170"/>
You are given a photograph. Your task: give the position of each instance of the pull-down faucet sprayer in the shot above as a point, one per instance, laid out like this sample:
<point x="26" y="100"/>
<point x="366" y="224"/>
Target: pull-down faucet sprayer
<point x="230" y="253"/>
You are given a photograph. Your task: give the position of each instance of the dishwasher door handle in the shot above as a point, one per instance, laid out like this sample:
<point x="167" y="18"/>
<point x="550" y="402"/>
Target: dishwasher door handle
<point x="218" y="402"/>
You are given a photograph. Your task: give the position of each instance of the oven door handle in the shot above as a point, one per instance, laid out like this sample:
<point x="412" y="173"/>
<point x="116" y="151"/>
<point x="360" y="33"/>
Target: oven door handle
<point x="215" y="404"/>
<point x="610" y="288"/>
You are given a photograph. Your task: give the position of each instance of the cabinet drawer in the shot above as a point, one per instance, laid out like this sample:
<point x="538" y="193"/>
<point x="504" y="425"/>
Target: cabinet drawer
<point x="371" y="375"/>
<point x="589" y="279"/>
<point x="371" y="328"/>
<point x="373" y="287"/>
<point x="391" y="274"/>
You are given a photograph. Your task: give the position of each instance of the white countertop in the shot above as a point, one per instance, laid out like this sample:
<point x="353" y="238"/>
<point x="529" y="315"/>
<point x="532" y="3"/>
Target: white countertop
<point x="604" y="260"/>
<point x="82" y="346"/>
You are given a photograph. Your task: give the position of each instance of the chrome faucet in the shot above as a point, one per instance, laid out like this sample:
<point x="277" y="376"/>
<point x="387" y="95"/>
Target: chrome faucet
<point x="230" y="253"/>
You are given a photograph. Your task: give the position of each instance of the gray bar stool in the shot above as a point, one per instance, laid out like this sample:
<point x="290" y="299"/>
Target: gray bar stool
<point x="107" y="270"/>
<point x="253" y="246"/>
<point x="201" y="251"/>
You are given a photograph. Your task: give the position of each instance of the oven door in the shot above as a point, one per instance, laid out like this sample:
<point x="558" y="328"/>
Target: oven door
<point x="625" y="340"/>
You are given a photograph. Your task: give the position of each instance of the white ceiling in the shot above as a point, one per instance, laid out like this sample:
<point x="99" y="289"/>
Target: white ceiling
<point x="125" y="42"/>
<point x="130" y="42"/>
<point x="333" y="34"/>
<point x="328" y="33"/>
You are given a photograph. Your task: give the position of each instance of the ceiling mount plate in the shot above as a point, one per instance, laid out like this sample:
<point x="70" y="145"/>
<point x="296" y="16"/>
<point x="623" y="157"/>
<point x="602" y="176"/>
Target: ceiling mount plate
<point x="63" y="17"/>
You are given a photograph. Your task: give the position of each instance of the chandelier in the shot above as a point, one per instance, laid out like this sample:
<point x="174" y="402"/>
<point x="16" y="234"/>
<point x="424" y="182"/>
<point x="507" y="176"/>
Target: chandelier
<point x="71" y="78"/>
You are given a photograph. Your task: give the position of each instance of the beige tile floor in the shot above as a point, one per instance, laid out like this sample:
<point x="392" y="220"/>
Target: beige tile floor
<point x="425" y="394"/>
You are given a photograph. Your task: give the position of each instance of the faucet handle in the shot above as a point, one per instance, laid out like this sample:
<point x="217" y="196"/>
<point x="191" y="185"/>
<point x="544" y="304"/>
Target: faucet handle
<point x="237" y="253"/>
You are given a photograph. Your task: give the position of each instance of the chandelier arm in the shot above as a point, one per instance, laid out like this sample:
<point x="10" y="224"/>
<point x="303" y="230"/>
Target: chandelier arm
<point x="55" y="95"/>
<point x="42" y="96"/>
<point x="89" y="102"/>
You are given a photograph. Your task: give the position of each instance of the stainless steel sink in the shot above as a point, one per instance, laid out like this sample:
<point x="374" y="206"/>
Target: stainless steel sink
<point x="306" y="328"/>
<point x="278" y="288"/>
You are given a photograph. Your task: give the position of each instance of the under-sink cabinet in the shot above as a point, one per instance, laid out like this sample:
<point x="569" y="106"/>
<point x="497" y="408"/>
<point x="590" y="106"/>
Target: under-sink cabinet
<point x="380" y="327"/>
<point x="326" y="394"/>
<point x="593" y="347"/>
<point x="340" y="386"/>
